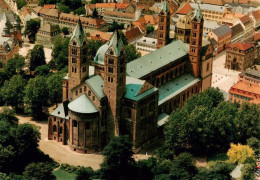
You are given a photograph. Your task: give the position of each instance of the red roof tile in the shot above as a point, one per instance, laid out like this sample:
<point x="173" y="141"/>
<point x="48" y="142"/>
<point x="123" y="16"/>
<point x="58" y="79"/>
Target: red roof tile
<point x="185" y="9"/>
<point x="257" y="36"/>
<point x="133" y="33"/>
<point x="49" y="6"/>
<point x="256" y="14"/>
<point x="241" y="46"/>
<point x="121" y="5"/>
<point x="245" y="19"/>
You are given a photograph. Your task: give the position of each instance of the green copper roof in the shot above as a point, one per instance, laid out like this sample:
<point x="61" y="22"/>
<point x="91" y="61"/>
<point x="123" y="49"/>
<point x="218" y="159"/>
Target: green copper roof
<point x="198" y="14"/>
<point x="176" y="86"/>
<point x="165" y="7"/>
<point x="133" y="86"/>
<point x="116" y="42"/>
<point x="100" y="55"/>
<point x="82" y="105"/>
<point x="79" y="33"/>
<point x="156" y="59"/>
<point x="96" y="83"/>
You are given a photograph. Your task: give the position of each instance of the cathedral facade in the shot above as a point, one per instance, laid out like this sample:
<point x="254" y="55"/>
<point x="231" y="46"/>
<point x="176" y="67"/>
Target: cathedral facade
<point x="136" y="98"/>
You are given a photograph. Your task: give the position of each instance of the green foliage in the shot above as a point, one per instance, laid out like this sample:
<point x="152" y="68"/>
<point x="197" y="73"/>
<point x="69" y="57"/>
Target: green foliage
<point x="123" y="37"/>
<point x="254" y="143"/>
<point x="20" y="3"/>
<point x="80" y="11"/>
<point x="95" y="13"/>
<point x="131" y="53"/>
<point x="248" y="172"/>
<point x="118" y="158"/>
<point x="149" y="29"/>
<point x="64" y="8"/>
<point x="12" y="91"/>
<point x="37" y="57"/>
<point x="54" y="87"/>
<point x="15" y="65"/>
<point x="36" y="96"/>
<point x="96" y="1"/>
<point x="115" y="26"/>
<point x="146" y="168"/>
<point x="39" y="171"/>
<point x="85" y="173"/>
<point x="31" y="28"/>
<point x="65" y="30"/>
<point x="61" y="174"/>
<point x="7" y="155"/>
<point x="93" y="47"/>
<point x="8" y="27"/>
<point x="8" y="115"/>
<point x="42" y="70"/>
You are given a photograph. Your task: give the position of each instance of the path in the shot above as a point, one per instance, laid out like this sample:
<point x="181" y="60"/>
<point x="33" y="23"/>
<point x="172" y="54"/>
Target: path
<point x="62" y="154"/>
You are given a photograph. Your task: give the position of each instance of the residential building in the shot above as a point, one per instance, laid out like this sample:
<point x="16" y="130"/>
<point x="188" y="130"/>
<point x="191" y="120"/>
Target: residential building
<point x="131" y="98"/>
<point x="146" y="45"/>
<point x="133" y="35"/>
<point x="183" y="28"/>
<point x="101" y="36"/>
<point x="240" y="56"/>
<point x="102" y="7"/>
<point x="125" y="7"/>
<point x="25" y="16"/>
<point x="257" y="46"/>
<point x="222" y="36"/>
<point x="146" y="2"/>
<point x="30" y="4"/>
<point x="209" y="26"/>
<point x="146" y="20"/>
<point x="247" y="89"/>
<point x="184" y="10"/>
<point x="255" y="16"/>
<point x="46" y="35"/>
<point x="230" y="18"/>
<point x="237" y="33"/>
<point x="119" y="17"/>
<point x="248" y="26"/>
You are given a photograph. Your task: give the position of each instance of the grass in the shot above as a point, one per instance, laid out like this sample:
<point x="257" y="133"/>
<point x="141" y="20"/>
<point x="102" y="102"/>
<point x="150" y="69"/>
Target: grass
<point x="63" y="175"/>
<point x="211" y="160"/>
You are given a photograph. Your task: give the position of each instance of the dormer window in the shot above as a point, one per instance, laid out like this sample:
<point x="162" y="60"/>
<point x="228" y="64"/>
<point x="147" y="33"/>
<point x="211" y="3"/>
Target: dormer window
<point x="74" y="43"/>
<point x="111" y="52"/>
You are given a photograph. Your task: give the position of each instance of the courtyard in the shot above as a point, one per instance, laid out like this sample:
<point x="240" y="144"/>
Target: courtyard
<point x="223" y="78"/>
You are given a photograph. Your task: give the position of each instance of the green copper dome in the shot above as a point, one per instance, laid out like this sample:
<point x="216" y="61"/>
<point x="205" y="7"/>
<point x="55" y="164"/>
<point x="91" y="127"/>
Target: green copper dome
<point x="100" y="55"/>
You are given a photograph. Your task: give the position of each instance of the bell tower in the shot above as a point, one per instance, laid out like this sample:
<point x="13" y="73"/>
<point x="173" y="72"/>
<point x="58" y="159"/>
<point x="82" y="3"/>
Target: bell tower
<point x="163" y="30"/>
<point x="196" y="41"/>
<point x="115" y="80"/>
<point x="78" y="60"/>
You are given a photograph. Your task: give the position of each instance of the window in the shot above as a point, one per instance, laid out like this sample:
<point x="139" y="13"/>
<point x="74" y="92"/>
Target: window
<point x="84" y="69"/>
<point x="60" y="131"/>
<point x="74" y="51"/>
<point x="93" y="98"/>
<point x="85" y="88"/>
<point x="108" y="79"/>
<point x="84" y="60"/>
<point x="161" y="28"/>
<point x="80" y="90"/>
<point x="161" y="35"/>
<point x="74" y="123"/>
<point x="194" y="34"/>
<point x="89" y="93"/>
<point x="110" y="69"/>
<point x="128" y="113"/>
<point x="110" y="61"/>
<point x="87" y="125"/>
<point x="192" y="50"/>
<point x="74" y="60"/>
<point x="54" y="128"/>
<point x="193" y="42"/>
<point x="207" y="67"/>
<point x="111" y="80"/>
<point x="76" y="93"/>
<point x="75" y="70"/>
<point x="195" y="26"/>
<point x="161" y="19"/>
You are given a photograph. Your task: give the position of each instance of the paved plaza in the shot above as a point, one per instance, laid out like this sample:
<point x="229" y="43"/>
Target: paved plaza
<point x="222" y="77"/>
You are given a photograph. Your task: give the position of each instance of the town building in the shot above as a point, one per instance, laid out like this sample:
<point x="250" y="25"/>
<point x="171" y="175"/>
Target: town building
<point x="146" y="45"/>
<point x="183" y="28"/>
<point x="101" y="36"/>
<point x="131" y="98"/>
<point x="255" y="16"/>
<point x="120" y="17"/>
<point x="237" y="33"/>
<point x="248" y="25"/>
<point x="247" y="89"/>
<point x="46" y="35"/>
<point x="133" y="35"/>
<point x="240" y="56"/>
<point x="146" y="20"/>
<point x="222" y="35"/>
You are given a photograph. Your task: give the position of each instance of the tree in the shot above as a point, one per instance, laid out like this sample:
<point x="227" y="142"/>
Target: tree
<point x="118" y="158"/>
<point x="115" y="26"/>
<point x="131" y="53"/>
<point x="64" y="8"/>
<point x="93" y="47"/>
<point x="54" y="86"/>
<point x="95" y="13"/>
<point x="36" y="96"/>
<point x="8" y="115"/>
<point x="20" y="3"/>
<point x="8" y="27"/>
<point x="149" y="29"/>
<point x="248" y="172"/>
<point x="42" y="70"/>
<point x="13" y="91"/>
<point x="254" y="143"/>
<point x="7" y="155"/>
<point x="65" y="30"/>
<point x="31" y="28"/>
<point x="85" y="173"/>
<point x="39" y="171"/>
<point x="123" y="37"/>
<point x="80" y="11"/>
<point x="15" y="65"/>
<point x="37" y="57"/>
<point x="240" y="153"/>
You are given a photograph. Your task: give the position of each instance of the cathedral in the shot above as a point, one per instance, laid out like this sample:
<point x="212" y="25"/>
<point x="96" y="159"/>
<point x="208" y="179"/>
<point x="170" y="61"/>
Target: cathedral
<point x="115" y="98"/>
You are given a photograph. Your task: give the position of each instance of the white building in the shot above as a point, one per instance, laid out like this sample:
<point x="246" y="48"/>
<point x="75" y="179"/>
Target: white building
<point x="146" y="45"/>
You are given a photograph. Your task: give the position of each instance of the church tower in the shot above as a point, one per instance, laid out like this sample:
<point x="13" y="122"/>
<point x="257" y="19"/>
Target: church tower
<point x="163" y="30"/>
<point x="196" y="41"/>
<point x="115" y="81"/>
<point x="78" y="61"/>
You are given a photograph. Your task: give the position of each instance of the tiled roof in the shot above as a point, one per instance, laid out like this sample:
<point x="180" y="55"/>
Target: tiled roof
<point x="245" y="19"/>
<point x="253" y="72"/>
<point x="241" y="46"/>
<point x="257" y="36"/>
<point x="237" y="29"/>
<point x="105" y="5"/>
<point x="185" y="9"/>
<point x="37" y="9"/>
<point x="119" y="14"/>
<point x="121" y="5"/>
<point x="82" y="105"/>
<point x="156" y="59"/>
<point x="214" y="2"/>
<point x="213" y="42"/>
<point x="52" y="12"/>
<point x="256" y="14"/>
<point x="246" y="87"/>
<point x="90" y="6"/>
<point x="222" y="30"/>
<point x="49" y="6"/>
<point x="208" y="7"/>
<point x="133" y="34"/>
<point x="99" y="35"/>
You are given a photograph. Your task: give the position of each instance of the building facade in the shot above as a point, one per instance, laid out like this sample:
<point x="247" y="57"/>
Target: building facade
<point x="240" y="56"/>
<point x="131" y="98"/>
<point x="182" y="29"/>
<point x="46" y="35"/>
<point x="248" y="26"/>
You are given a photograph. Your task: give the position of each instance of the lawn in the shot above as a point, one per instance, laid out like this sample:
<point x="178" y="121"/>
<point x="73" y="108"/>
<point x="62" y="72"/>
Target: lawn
<point x="211" y="160"/>
<point x="63" y="175"/>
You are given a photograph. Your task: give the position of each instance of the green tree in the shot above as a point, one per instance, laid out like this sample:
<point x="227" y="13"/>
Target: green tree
<point x="80" y="11"/>
<point x="15" y="65"/>
<point x="7" y="155"/>
<point x="131" y="53"/>
<point x="41" y="171"/>
<point x="65" y="30"/>
<point x="115" y="26"/>
<point x="13" y="91"/>
<point x="248" y="172"/>
<point x="20" y="3"/>
<point x="31" y="28"/>
<point x="149" y="29"/>
<point x="118" y="158"/>
<point x="37" y="57"/>
<point x="42" y="70"/>
<point x="85" y="173"/>
<point x="64" y="8"/>
<point x="93" y="47"/>
<point x="36" y="96"/>
<point x="54" y="86"/>
<point x="8" y="27"/>
<point x="8" y="115"/>
<point x="123" y="37"/>
<point x="95" y="13"/>
<point x="254" y="143"/>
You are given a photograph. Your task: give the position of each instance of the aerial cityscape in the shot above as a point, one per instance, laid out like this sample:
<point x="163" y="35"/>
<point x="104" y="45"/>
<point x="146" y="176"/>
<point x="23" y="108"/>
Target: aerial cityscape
<point x="130" y="89"/>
